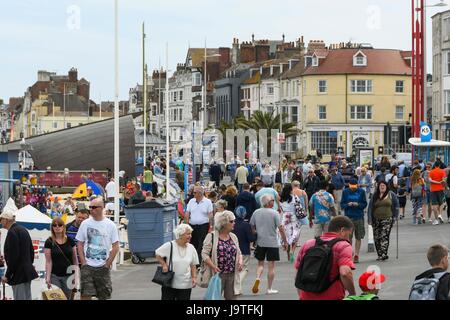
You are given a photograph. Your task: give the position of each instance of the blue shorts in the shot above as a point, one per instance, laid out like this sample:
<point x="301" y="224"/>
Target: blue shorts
<point x="427" y="198"/>
<point x="304" y="221"/>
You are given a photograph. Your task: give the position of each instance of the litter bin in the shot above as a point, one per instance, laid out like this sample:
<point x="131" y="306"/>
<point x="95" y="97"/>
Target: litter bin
<point x="150" y="224"/>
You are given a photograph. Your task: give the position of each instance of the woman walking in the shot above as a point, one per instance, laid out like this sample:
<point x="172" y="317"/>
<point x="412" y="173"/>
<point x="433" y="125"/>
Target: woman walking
<point x="290" y="204"/>
<point x="382" y="213"/>
<point x="60" y="256"/>
<point x="184" y="262"/>
<point x="268" y="176"/>
<point x="230" y="197"/>
<point x="221" y="253"/>
<point x="417" y="194"/>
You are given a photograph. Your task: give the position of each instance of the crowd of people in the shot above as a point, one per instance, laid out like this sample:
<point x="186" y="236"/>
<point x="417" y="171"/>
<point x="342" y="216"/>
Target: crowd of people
<point x="260" y="211"/>
<point x="264" y="209"/>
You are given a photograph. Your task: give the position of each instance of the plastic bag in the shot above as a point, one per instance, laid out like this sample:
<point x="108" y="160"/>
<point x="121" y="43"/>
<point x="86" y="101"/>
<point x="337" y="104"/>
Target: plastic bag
<point x="214" y="291"/>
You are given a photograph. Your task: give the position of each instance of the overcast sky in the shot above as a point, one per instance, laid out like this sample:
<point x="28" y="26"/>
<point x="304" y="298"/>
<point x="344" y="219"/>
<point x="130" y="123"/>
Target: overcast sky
<point x="56" y="35"/>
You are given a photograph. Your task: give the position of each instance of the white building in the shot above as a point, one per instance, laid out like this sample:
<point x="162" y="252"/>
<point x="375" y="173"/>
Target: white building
<point x="441" y="76"/>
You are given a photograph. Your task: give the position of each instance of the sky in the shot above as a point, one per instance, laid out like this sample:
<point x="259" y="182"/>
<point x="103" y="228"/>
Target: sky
<point x="55" y="35"/>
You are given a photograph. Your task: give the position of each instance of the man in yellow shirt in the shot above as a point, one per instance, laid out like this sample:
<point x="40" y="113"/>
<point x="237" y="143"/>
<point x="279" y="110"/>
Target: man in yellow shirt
<point x="241" y="176"/>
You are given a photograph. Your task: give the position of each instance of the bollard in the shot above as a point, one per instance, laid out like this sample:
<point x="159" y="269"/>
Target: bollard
<point x="370" y="242"/>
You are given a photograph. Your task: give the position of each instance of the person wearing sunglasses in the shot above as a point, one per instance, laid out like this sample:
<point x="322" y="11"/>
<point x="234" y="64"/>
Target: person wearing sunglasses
<point x="60" y="257"/>
<point x="96" y="236"/>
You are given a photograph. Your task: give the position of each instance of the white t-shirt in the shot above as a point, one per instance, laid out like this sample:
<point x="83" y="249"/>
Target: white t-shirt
<point x="199" y="211"/>
<point x="110" y="188"/>
<point x="98" y="237"/>
<point x="182" y="260"/>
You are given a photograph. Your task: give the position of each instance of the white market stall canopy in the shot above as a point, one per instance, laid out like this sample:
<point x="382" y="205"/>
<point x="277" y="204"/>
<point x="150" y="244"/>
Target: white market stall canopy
<point x="31" y="218"/>
<point x="432" y="143"/>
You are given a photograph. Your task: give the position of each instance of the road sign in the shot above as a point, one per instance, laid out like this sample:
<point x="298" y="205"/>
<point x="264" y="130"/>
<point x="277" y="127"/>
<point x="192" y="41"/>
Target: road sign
<point x="281" y="138"/>
<point x="425" y="132"/>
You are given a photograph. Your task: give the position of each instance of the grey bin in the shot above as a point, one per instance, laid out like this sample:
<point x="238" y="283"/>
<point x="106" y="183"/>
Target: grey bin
<point x="150" y="225"/>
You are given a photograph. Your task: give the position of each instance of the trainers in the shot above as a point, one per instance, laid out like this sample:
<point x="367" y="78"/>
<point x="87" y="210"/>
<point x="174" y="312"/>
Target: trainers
<point x="435" y="223"/>
<point x="440" y="219"/>
<point x="272" y="291"/>
<point x="255" y="287"/>
<point x="356" y="259"/>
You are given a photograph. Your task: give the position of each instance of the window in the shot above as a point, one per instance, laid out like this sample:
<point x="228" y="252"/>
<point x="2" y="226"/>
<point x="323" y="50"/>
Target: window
<point x="448" y="62"/>
<point x="269" y="109"/>
<point x="447" y="102"/>
<point x="270" y="89"/>
<point x="399" y="86"/>
<point x="361" y="112"/>
<point x="399" y="112"/>
<point x="33" y="117"/>
<point x="326" y="141"/>
<point x="315" y="61"/>
<point x="446" y="30"/>
<point x="359" y="60"/>
<point x="196" y="79"/>
<point x="308" y="61"/>
<point x="322" y="112"/>
<point x="153" y="128"/>
<point x="181" y="96"/>
<point x="181" y="114"/>
<point x="361" y="85"/>
<point x="322" y="86"/>
<point x="175" y="114"/>
<point x="294" y="112"/>
<point x="175" y="95"/>
<point x="294" y="144"/>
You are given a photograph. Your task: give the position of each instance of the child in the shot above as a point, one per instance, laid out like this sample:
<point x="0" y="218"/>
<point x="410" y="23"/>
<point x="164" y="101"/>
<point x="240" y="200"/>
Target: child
<point x="401" y="194"/>
<point x="369" y="284"/>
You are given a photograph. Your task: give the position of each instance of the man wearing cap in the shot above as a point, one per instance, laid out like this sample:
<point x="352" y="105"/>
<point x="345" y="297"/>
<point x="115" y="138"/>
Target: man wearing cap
<point x="354" y="202"/>
<point x="19" y="255"/>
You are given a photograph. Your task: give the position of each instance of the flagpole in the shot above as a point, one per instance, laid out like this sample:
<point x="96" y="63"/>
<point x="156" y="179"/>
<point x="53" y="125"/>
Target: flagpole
<point x="167" y="122"/>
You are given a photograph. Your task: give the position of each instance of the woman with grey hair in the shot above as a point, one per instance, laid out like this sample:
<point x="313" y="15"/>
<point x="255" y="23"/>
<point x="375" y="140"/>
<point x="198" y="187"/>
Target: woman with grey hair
<point x="221" y="253"/>
<point x="220" y="206"/>
<point x="184" y="264"/>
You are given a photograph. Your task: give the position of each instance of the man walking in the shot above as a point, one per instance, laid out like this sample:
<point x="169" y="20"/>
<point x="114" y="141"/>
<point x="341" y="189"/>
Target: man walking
<point x="437" y="181"/>
<point x="321" y="209"/>
<point x="347" y="172"/>
<point x="215" y="173"/>
<point x="96" y="236"/>
<point x="354" y="202"/>
<point x="267" y="190"/>
<point x="311" y="184"/>
<point x="248" y="201"/>
<point x="339" y="183"/>
<point x="19" y="255"/>
<point x="340" y="275"/>
<point x="241" y="176"/>
<point x="199" y="215"/>
<point x="265" y="223"/>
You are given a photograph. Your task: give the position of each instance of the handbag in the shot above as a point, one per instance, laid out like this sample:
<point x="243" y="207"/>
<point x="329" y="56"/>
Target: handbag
<point x="300" y="212"/>
<point x="205" y="273"/>
<point x="165" y="278"/>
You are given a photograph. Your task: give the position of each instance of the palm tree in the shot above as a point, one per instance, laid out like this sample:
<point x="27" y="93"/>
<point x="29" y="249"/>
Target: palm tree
<point x="265" y="120"/>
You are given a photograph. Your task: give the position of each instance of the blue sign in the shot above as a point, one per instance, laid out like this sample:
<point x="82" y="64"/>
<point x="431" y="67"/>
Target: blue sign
<point x="425" y="132"/>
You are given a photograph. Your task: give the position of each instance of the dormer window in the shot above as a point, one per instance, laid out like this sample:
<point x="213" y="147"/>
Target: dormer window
<point x="315" y="61"/>
<point x="359" y="59"/>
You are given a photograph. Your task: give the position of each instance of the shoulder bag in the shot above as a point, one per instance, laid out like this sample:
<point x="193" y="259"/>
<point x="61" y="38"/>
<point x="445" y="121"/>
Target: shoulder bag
<point x="165" y="278"/>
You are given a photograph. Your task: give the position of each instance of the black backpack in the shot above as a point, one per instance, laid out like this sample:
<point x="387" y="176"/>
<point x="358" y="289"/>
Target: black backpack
<point x="391" y="186"/>
<point x="313" y="275"/>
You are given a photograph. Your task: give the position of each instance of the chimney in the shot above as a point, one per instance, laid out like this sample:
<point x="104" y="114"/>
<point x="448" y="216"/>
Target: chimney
<point x="283" y="37"/>
<point x="73" y="75"/>
<point x="224" y="58"/>
<point x="235" y="59"/>
<point x="262" y="52"/>
<point x="253" y="38"/>
<point x="247" y="52"/>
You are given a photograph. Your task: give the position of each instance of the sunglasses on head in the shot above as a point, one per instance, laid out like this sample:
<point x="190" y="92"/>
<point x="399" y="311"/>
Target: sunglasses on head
<point x="94" y="207"/>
